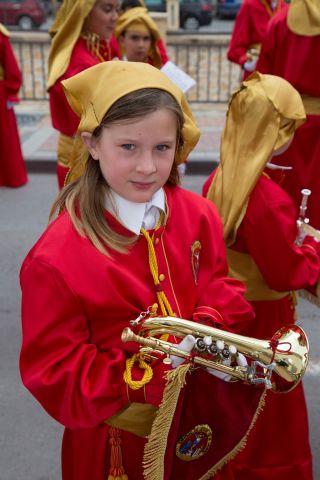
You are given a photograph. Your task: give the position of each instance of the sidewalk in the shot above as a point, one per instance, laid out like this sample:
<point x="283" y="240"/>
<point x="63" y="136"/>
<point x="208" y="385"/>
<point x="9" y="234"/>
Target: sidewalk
<point x="39" y="139"/>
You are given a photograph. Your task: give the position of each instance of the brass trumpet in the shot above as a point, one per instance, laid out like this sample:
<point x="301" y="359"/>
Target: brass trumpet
<point x="278" y="364"/>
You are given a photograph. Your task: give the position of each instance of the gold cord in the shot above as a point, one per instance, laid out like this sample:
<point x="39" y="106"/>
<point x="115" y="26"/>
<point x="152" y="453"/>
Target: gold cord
<point x="164" y="304"/>
<point x="147" y="376"/>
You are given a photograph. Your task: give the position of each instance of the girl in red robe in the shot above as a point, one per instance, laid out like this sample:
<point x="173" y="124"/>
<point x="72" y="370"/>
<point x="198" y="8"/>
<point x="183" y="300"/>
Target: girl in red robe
<point x="80" y="40"/>
<point x="249" y="30"/>
<point x="114" y="45"/>
<point x="12" y="166"/>
<point x="129" y="240"/>
<point x="291" y="50"/>
<point x="138" y="37"/>
<point x="260" y="231"/>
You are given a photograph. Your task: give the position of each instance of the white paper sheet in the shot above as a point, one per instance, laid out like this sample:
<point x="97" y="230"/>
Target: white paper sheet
<point x="178" y="76"/>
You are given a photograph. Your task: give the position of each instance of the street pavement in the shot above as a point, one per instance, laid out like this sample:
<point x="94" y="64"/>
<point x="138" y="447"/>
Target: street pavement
<point x="30" y="439"/>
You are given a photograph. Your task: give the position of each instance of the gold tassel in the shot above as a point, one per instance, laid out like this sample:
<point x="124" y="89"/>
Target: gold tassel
<point x="117" y="471"/>
<point x="155" y="448"/>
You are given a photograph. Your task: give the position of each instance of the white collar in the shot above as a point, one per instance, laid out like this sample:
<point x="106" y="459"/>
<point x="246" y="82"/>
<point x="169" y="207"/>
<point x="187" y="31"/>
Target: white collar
<point x="132" y="214"/>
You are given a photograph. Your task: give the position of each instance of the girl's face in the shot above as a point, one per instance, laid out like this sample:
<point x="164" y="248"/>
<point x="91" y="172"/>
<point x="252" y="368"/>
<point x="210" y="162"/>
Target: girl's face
<point x="136" y="157"/>
<point x="136" y="45"/>
<point x="102" y="18"/>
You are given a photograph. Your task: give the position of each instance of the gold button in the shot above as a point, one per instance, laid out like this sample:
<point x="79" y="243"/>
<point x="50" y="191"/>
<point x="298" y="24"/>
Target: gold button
<point x="156" y="241"/>
<point x="161" y="277"/>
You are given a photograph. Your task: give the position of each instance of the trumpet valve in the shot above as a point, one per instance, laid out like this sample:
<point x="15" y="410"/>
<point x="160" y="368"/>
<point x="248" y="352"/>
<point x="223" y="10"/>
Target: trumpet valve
<point x="213" y="349"/>
<point x="200" y="345"/>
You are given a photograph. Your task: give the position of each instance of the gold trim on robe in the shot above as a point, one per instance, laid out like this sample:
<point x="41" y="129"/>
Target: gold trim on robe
<point x="311" y="104"/>
<point x="243" y="267"/>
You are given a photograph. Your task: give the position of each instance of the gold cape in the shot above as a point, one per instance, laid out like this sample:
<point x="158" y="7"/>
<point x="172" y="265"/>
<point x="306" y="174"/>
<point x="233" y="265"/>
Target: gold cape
<point x="66" y="30"/>
<point x="262" y="116"/>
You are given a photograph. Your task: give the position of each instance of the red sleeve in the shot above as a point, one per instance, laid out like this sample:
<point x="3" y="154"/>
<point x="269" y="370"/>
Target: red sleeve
<point x="12" y="73"/>
<point x="269" y="231"/>
<point x="222" y="303"/>
<point x="240" y="39"/>
<point x="266" y="56"/>
<point x="63" y="117"/>
<point x="78" y="384"/>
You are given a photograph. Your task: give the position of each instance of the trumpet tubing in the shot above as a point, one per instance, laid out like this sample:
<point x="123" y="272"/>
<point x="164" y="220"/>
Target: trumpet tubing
<point x="279" y="363"/>
<point x="153" y="345"/>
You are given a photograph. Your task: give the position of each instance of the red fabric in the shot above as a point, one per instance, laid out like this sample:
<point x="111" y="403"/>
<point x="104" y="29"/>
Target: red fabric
<point x="249" y="28"/>
<point x="63" y="117"/>
<point x="296" y="58"/>
<point x="278" y="446"/>
<point x="75" y="304"/>
<point x="116" y="51"/>
<point x="12" y="167"/>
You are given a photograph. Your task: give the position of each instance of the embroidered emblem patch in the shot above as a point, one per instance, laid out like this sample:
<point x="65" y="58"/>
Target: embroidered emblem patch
<point x="195" y="443"/>
<point x="195" y="259"/>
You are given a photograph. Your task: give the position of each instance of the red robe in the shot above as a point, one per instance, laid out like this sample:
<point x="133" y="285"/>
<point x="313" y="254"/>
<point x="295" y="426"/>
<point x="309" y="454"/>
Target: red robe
<point x="75" y="304"/>
<point x="12" y="166"/>
<point x="279" y="444"/>
<point x="249" y="29"/>
<point x="296" y="58"/>
<point x="63" y="117"/>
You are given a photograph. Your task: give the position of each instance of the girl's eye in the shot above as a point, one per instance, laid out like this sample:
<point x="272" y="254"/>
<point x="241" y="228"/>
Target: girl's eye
<point x="128" y="146"/>
<point x="162" y="148"/>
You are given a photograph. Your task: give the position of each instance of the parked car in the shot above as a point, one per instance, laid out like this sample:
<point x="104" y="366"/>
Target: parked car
<point x="193" y="13"/>
<point x="50" y="6"/>
<point x="26" y="14"/>
<point x="228" y="8"/>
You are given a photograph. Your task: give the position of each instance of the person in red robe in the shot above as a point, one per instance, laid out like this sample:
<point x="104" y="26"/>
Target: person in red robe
<point x="12" y="166"/>
<point x="138" y="37"/>
<point x="249" y="30"/>
<point x="260" y="231"/>
<point x="80" y="40"/>
<point x="114" y="45"/>
<point x="128" y="240"/>
<point x="297" y="30"/>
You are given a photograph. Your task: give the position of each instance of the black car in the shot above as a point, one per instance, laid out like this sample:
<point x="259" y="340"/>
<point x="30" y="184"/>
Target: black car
<point x="193" y="13"/>
<point x="228" y="8"/>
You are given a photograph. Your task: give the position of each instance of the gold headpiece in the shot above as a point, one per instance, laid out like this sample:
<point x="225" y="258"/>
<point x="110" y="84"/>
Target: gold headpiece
<point x="138" y="18"/>
<point x="304" y="17"/>
<point x="92" y="92"/>
<point x="262" y="116"/>
<point x="65" y="31"/>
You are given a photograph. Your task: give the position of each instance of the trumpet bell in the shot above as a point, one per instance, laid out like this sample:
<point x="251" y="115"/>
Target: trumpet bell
<point x="291" y="357"/>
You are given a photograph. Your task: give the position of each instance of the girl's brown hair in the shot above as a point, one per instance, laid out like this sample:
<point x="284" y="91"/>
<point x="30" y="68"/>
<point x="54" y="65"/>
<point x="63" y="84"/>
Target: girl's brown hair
<point x="84" y="198"/>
